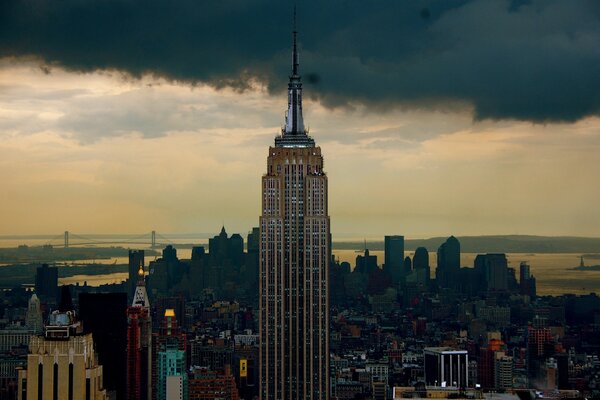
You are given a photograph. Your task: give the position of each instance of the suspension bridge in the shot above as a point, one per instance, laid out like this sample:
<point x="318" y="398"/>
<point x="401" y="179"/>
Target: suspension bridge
<point x="69" y="239"/>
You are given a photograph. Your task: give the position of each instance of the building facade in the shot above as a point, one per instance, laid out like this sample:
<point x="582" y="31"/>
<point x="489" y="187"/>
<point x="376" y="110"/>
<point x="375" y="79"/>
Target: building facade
<point x="139" y="344"/>
<point x="294" y="262"/>
<point x="62" y="363"/>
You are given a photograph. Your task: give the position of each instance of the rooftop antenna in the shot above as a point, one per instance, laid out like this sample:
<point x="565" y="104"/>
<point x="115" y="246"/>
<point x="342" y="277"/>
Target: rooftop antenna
<point x="295" y="53"/>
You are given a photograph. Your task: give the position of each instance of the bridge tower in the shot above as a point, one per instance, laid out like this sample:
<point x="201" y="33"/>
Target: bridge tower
<point x="153" y="239"/>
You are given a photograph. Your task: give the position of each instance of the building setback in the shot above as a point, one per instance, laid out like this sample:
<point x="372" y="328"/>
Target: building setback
<point x="294" y="258"/>
<point x="61" y="364"/>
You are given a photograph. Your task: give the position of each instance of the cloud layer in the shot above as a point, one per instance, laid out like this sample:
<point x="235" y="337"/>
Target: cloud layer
<point x="527" y="60"/>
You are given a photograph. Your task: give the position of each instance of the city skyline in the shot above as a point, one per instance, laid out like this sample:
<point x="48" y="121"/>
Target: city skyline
<point x="109" y="145"/>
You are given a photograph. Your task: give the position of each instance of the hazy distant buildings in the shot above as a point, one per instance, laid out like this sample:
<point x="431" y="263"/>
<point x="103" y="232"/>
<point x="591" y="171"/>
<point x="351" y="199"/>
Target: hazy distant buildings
<point x="448" y="264"/>
<point x="394" y="257"/>
<point x="294" y="260"/>
<point x="527" y="285"/>
<point x="493" y="270"/>
<point x="421" y="265"/>
<point x="46" y="283"/>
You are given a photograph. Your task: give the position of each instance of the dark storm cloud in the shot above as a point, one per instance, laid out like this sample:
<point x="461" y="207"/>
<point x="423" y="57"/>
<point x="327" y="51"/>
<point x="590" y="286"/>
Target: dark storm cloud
<point x="531" y="60"/>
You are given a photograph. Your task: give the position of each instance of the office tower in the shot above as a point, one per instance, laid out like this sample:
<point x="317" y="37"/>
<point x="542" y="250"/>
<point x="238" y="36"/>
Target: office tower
<point x="294" y="261"/>
<point x="139" y="338"/>
<point x="394" y="256"/>
<point x="421" y="265"/>
<point x="446" y="367"/>
<point x="62" y="364"/>
<point x="33" y="318"/>
<point x="136" y="261"/>
<point x="104" y="315"/>
<point x="46" y="283"/>
<point x="448" y="264"/>
<point x="366" y="263"/>
<point x="169" y="376"/>
<point x="493" y="269"/>
<point x="527" y="284"/>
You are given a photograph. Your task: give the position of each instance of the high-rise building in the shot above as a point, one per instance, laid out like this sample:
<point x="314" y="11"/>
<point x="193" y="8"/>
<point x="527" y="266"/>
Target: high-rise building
<point x="169" y="376"/>
<point x="394" y="256"/>
<point x="448" y="264"/>
<point x="527" y="284"/>
<point x="294" y="261"/>
<point x="62" y="363"/>
<point x="104" y="315"/>
<point x="46" y="283"/>
<point x="139" y="348"/>
<point x="421" y="265"/>
<point x="33" y="318"/>
<point x="493" y="270"/>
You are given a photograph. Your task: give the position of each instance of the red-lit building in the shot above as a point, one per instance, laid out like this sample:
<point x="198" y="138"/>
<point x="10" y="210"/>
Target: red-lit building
<point x="207" y="384"/>
<point x="139" y="339"/>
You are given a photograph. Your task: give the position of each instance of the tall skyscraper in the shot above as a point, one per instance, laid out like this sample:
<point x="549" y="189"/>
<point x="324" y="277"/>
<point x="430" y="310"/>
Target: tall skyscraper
<point x="104" y="315"/>
<point x="139" y="338"/>
<point x="169" y="372"/>
<point x="448" y="264"/>
<point x="394" y="256"/>
<point x="294" y="261"/>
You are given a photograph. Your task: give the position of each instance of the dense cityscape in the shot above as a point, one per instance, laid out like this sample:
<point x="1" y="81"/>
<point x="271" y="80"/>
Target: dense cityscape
<point x="276" y="315"/>
<point x="395" y="331"/>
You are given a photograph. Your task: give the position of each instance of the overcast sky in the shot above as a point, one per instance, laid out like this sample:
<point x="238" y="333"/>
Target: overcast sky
<point x="435" y="117"/>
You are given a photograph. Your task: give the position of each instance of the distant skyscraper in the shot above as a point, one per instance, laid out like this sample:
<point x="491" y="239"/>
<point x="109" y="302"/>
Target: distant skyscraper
<point x="139" y="338"/>
<point x="46" y="283"/>
<point x="294" y="261"/>
<point x="394" y="256"/>
<point x="527" y="284"/>
<point x="448" y="263"/>
<point x="493" y="269"/>
<point x="33" y="319"/>
<point x="421" y="264"/>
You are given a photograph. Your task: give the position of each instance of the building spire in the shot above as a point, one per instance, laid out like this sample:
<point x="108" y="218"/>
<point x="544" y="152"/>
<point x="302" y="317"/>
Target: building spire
<point x="140" y="297"/>
<point x="295" y="62"/>
<point x="294" y="123"/>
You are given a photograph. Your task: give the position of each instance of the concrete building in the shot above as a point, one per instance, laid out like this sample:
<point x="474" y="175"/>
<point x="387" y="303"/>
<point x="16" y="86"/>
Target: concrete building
<point x="294" y="262"/>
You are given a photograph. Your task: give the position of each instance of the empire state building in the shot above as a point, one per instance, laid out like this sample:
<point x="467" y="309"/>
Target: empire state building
<point x="294" y="261"/>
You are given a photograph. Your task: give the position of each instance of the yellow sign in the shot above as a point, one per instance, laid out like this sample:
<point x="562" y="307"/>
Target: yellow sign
<point x="243" y="368"/>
